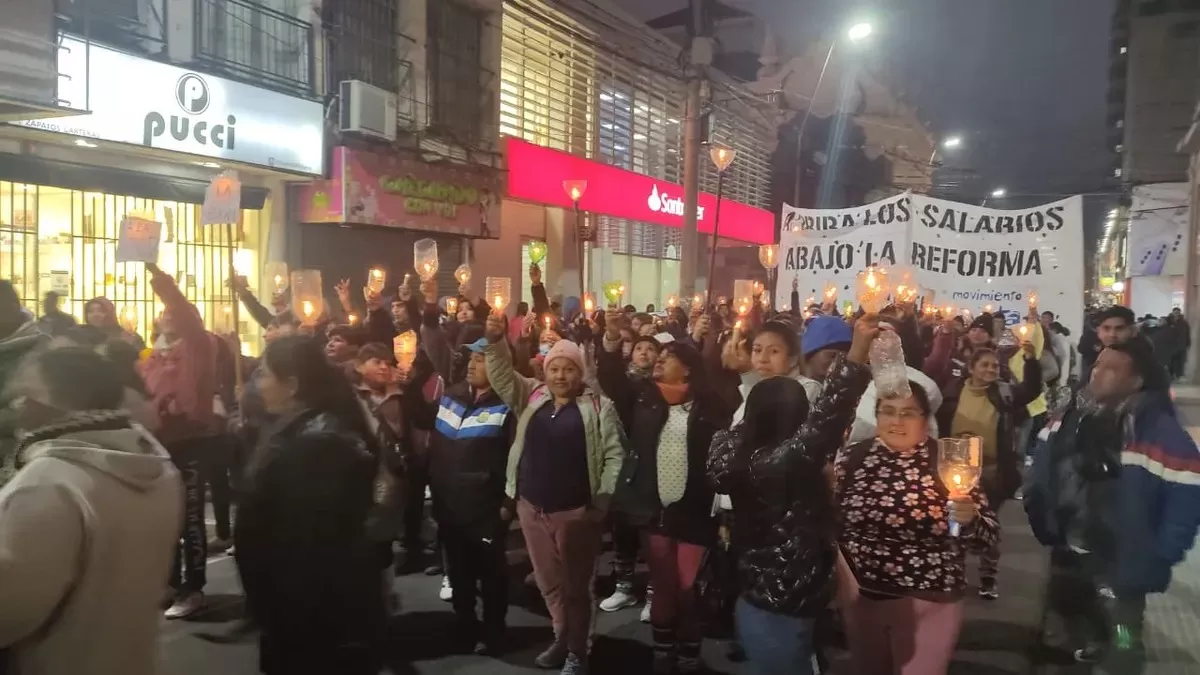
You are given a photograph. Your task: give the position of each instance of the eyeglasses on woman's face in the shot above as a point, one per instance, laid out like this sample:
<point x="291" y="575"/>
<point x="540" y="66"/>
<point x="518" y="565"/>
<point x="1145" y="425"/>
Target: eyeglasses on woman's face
<point x="899" y="413"/>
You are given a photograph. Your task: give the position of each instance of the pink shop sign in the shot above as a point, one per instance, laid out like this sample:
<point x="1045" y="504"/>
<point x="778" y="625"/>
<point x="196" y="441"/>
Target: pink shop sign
<point x="399" y="191"/>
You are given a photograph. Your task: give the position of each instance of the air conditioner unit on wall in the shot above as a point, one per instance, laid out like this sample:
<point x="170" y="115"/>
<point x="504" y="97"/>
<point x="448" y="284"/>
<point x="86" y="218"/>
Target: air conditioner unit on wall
<point x="367" y="110"/>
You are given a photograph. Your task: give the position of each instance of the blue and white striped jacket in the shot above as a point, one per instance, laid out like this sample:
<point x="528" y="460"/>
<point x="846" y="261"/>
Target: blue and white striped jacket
<point x="468" y="456"/>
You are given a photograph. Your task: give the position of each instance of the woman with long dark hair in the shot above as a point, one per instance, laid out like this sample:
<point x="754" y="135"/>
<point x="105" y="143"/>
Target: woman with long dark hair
<point x="772" y="466"/>
<point x="670" y="421"/>
<point x="310" y="572"/>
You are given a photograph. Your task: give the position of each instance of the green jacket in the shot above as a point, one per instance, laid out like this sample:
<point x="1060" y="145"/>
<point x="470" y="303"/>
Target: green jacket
<point x="602" y="426"/>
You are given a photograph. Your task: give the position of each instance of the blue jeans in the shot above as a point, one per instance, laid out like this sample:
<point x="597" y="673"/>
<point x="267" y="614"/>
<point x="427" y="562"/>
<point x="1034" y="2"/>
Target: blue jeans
<point x="775" y="644"/>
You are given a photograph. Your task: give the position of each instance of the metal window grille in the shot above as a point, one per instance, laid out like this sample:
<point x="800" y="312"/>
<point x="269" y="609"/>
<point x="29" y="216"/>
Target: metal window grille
<point x="253" y="42"/>
<point x="363" y="45"/>
<point x="456" y="91"/>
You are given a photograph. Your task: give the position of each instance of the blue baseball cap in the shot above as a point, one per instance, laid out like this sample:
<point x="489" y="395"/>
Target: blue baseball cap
<point x="477" y="346"/>
<point x="824" y="332"/>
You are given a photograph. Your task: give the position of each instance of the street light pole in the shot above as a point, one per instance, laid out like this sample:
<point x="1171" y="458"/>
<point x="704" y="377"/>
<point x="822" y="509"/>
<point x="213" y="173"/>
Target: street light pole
<point x="700" y="57"/>
<point x="575" y="190"/>
<point x="721" y="157"/>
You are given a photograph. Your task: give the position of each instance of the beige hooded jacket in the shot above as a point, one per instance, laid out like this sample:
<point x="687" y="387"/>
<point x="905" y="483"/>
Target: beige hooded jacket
<point x="87" y="533"/>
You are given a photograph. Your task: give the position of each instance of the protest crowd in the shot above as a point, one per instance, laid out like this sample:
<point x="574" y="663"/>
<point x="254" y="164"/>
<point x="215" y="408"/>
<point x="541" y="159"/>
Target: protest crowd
<point x="808" y="479"/>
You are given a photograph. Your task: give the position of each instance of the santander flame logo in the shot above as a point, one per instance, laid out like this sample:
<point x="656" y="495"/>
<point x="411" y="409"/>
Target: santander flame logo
<point x="654" y="202"/>
<point x="664" y="203"/>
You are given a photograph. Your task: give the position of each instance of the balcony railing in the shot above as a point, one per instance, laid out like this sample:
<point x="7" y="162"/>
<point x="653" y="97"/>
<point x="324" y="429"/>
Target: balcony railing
<point x="138" y="27"/>
<point x="252" y="42"/>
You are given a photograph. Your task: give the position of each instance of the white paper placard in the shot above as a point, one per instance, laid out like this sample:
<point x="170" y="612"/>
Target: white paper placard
<point x="138" y="240"/>
<point x="222" y="200"/>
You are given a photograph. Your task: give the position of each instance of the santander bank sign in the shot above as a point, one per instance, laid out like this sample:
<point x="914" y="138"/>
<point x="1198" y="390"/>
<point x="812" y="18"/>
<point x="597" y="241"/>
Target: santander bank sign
<point x="536" y="174"/>
<point x="664" y="203"/>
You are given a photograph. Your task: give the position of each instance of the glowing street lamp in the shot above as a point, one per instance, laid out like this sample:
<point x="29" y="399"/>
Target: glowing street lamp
<point x="721" y="157"/>
<point x="859" y="31"/>
<point x="575" y="190"/>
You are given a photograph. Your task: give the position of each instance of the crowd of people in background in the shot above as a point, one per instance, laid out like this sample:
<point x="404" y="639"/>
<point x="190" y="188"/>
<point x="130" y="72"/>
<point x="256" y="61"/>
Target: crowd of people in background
<point x="749" y="459"/>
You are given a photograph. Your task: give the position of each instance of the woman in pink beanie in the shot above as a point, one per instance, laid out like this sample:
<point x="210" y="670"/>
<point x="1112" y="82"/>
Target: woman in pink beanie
<point x="562" y="470"/>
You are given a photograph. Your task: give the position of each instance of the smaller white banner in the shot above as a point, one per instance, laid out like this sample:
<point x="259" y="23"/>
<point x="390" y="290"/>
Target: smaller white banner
<point x="222" y="200"/>
<point x="138" y="240"/>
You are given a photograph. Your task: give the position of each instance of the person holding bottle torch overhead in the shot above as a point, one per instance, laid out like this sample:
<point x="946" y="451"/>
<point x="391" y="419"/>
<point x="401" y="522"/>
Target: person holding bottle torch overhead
<point x="906" y="560"/>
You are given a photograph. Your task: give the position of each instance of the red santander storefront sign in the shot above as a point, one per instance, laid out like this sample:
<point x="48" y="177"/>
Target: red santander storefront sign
<point x="536" y="174"/>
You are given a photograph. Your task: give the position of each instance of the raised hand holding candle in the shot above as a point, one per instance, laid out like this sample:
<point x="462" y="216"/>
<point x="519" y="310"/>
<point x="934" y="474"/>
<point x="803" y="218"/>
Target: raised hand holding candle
<point x="425" y="258"/>
<point x="498" y="292"/>
<point x="872" y="288"/>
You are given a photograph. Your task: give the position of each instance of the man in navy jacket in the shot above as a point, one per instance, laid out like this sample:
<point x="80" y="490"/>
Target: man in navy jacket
<point x="1115" y="490"/>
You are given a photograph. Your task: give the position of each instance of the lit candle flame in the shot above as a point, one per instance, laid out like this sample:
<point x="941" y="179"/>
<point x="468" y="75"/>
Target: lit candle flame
<point x="1023" y="329"/>
<point x="575" y="194"/>
<point x="307" y="308"/>
<point x="697" y="299"/>
<point x="451" y="305"/>
<point x="278" y="281"/>
<point x="588" y="305"/>
<point x="987" y="308"/>
<point x="377" y="273"/>
<point x="830" y="292"/>
<point x="352" y="317"/>
<point x="1033" y="299"/>
<point x="498" y="300"/>
<point x="546" y="321"/>
<point x="737" y="325"/>
<point x="672" y="301"/>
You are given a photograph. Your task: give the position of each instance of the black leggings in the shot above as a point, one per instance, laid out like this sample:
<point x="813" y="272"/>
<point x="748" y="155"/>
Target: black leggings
<point x="189" y="572"/>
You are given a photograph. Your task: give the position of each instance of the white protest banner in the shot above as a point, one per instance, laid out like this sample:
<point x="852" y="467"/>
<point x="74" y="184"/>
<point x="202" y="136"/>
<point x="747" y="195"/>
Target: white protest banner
<point x="137" y="241"/>
<point x="833" y="245"/>
<point x="222" y="200"/>
<point x="974" y="256"/>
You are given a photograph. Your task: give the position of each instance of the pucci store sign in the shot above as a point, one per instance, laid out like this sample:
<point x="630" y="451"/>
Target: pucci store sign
<point x="156" y="105"/>
<point x="536" y="174"/>
<point x="399" y="191"/>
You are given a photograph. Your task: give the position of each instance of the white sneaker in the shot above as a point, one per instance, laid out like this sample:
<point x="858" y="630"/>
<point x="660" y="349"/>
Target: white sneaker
<point x="185" y="605"/>
<point x="620" y="599"/>
<point x="646" y="610"/>
<point x="447" y="593"/>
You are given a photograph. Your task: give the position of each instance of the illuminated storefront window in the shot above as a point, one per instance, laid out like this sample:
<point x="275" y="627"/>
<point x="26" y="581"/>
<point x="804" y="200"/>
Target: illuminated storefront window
<point x="56" y="239"/>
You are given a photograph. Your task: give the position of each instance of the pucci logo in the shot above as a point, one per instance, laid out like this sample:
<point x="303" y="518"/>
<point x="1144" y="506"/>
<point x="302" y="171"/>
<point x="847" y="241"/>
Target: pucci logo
<point x="664" y="203"/>
<point x="193" y="96"/>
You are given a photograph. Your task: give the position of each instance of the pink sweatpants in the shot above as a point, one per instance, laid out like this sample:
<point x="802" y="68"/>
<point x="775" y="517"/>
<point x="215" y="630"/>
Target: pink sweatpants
<point x="904" y="636"/>
<point x="563" y="548"/>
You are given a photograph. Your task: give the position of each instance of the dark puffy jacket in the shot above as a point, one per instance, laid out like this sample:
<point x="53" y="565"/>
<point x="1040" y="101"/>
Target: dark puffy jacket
<point x="643" y="410"/>
<point x="1123" y="485"/>
<point x="468" y="461"/>
<point x="310" y="572"/>
<point x="786" y="529"/>
<point x="1010" y="401"/>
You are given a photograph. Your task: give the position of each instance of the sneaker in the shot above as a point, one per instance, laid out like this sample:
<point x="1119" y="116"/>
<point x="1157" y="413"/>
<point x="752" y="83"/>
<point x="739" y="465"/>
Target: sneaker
<point x="646" y="610"/>
<point x="446" y="594"/>
<point x="620" y="599"/>
<point x="575" y="665"/>
<point x="987" y="589"/>
<point x="185" y="605"/>
<point x="218" y="545"/>
<point x="554" y="656"/>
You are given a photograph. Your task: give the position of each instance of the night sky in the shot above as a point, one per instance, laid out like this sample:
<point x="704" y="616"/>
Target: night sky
<point x="1023" y="81"/>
